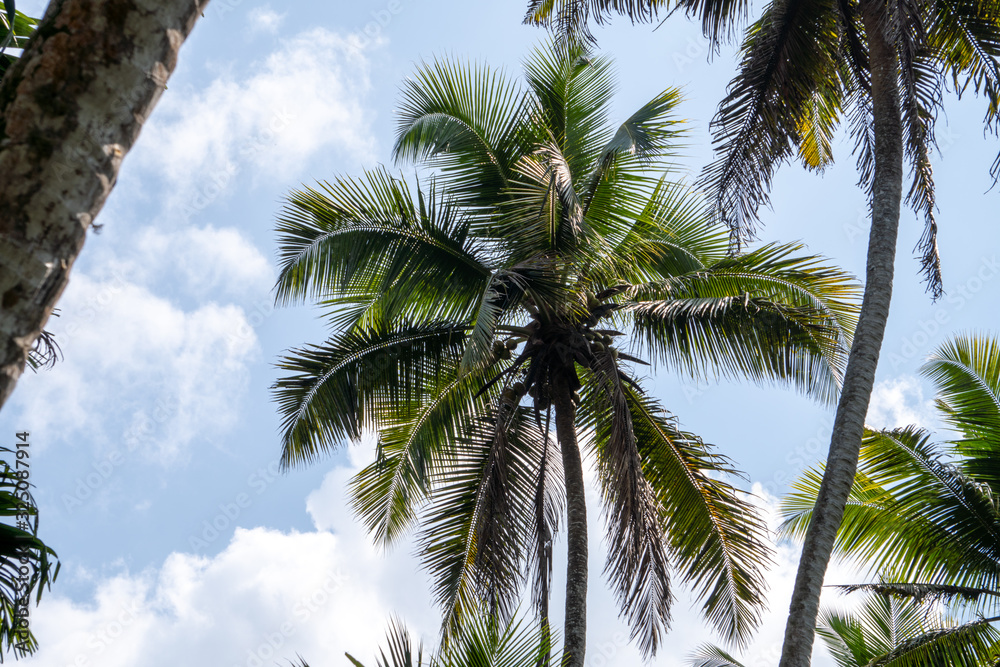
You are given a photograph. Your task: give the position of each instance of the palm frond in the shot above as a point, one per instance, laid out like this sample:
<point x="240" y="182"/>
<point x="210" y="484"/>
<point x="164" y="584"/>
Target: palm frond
<point x="717" y="540"/>
<point x="966" y="374"/>
<point x="972" y="644"/>
<point x="638" y="562"/>
<point x="905" y="508"/>
<point x="922" y="592"/>
<point x="413" y="444"/>
<point x="761" y="118"/>
<point x="474" y="537"/>
<point x="336" y="389"/>
<point x="372" y="239"/>
<point x="572" y="90"/>
<point x="709" y="655"/>
<point x="766" y="315"/>
<point x="469" y="121"/>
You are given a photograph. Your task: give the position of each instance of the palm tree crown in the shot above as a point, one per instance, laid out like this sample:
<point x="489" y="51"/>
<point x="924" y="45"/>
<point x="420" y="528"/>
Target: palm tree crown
<point x="473" y="312"/>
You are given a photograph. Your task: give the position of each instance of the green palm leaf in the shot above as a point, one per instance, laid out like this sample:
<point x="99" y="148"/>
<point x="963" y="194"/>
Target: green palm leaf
<point x="336" y="389"/>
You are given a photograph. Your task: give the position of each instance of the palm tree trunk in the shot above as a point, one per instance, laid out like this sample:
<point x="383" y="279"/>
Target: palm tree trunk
<point x="575" y="627"/>
<point x="848" y="427"/>
<point x="70" y="109"/>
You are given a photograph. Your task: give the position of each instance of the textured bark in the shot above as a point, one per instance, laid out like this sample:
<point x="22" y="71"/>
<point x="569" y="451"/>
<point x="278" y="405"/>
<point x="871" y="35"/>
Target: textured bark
<point x="70" y="110"/>
<point x="848" y="427"/>
<point x="575" y="627"/>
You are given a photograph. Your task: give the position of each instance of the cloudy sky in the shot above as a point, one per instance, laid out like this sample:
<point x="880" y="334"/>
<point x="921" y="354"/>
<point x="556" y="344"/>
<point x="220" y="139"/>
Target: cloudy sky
<point x="154" y="443"/>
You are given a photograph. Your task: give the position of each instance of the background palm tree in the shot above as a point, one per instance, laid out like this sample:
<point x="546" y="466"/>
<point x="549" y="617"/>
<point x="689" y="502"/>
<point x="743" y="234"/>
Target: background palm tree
<point x="471" y="313"/>
<point x="892" y="628"/>
<point x="806" y="63"/>
<point x="924" y="515"/>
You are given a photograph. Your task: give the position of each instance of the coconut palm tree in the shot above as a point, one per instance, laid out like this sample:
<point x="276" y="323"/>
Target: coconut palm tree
<point x="892" y="627"/>
<point x="882" y="64"/>
<point x="925" y="515"/>
<point x="473" y="314"/>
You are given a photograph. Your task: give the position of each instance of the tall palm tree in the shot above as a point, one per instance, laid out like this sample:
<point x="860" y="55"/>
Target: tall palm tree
<point x="473" y="313"/>
<point x="925" y="515"/>
<point x="892" y="627"/>
<point x="806" y="63"/>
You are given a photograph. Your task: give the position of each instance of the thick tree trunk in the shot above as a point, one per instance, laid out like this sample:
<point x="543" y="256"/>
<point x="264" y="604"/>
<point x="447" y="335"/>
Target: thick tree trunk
<point x="70" y="110"/>
<point x="575" y="627"/>
<point x="848" y="427"/>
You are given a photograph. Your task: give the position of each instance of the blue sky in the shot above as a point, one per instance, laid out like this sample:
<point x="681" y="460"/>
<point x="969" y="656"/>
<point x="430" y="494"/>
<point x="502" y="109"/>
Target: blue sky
<point x="154" y="443"/>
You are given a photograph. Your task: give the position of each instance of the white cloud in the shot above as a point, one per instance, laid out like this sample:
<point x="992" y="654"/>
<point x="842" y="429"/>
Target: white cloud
<point x="268" y="596"/>
<point x="264" y="19"/>
<point x="204" y="261"/>
<point x="271" y="595"/>
<point x="139" y="372"/>
<point x="899" y="402"/>
<point x="306" y="98"/>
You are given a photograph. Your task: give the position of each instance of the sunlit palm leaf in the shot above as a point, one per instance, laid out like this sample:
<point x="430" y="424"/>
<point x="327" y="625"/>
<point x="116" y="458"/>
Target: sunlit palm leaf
<point x="336" y="389"/>
<point x="469" y="121"/>
<point x="370" y="238"/>
<point x="638" y="562"/>
<point x="708" y="655"/>
<point x="718" y="541"/>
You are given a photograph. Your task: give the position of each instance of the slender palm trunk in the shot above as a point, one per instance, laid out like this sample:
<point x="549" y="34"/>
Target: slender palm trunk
<point x="848" y="427"/>
<point x="70" y="109"/>
<point x="575" y="628"/>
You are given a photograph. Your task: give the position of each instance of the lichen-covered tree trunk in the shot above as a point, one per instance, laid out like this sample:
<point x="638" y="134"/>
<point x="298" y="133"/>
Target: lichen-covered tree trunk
<point x="859" y="378"/>
<point x="70" y="109"/>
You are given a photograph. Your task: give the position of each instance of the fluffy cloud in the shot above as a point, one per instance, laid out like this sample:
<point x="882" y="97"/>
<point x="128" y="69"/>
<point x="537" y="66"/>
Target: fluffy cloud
<point x="264" y="19"/>
<point x="139" y="371"/>
<point x="304" y="99"/>
<point x="899" y="402"/>
<point x="204" y="262"/>
<point x="271" y="595"/>
<point x="268" y="596"/>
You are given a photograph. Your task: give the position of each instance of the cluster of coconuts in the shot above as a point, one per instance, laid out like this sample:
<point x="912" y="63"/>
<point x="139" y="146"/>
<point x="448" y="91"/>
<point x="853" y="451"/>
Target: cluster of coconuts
<point x="503" y="350"/>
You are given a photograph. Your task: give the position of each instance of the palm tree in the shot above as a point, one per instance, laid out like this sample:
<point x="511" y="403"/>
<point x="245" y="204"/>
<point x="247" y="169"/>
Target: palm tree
<point x="472" y="312"/>
<point x="806" y="63"/>
<point x="925" y="515"/>
<point x="890" y="629"/>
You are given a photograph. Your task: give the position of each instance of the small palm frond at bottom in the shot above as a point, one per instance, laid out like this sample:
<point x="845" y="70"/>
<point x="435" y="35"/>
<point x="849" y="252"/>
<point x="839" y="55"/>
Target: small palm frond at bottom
<point x="709" y="655"/>
<point x="482" y="642"/>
